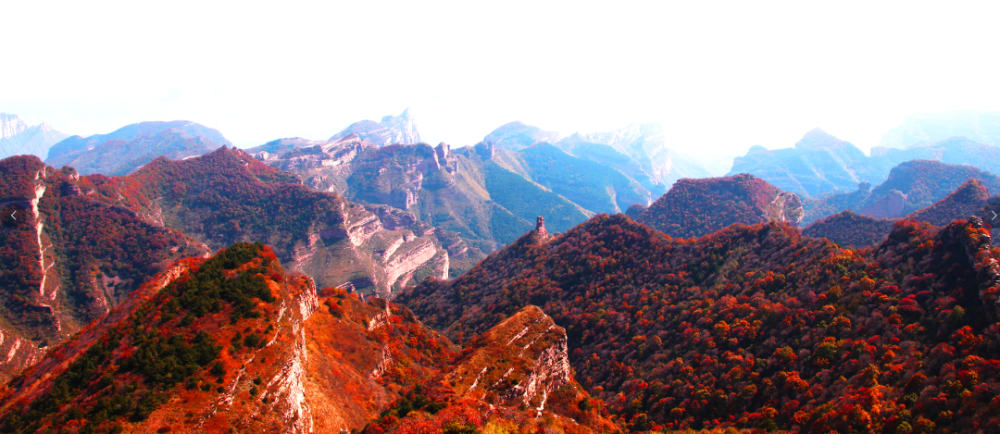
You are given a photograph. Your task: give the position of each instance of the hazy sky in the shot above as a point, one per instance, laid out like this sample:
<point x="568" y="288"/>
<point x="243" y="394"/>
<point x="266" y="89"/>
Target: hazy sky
<point x="720" y="76"/>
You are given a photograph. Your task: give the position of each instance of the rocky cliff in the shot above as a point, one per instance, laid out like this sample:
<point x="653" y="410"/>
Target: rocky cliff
<point x="18" y="138"/>
<point x="69" y="256"/>
<point x="234" y="342"/>
<point x="463" y="196"/>
<point x="392" y="130"/>
<point x="228" y="196"/>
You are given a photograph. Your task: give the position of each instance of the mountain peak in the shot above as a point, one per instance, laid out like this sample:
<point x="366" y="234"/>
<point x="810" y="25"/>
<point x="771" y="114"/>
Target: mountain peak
<point x="128" y="148"/>
<point x="11" y="125"/>
<point x="18" y="138"/>
<point x="518" y="135"/>
<point x="696" y="207"/>
<point x="816" y="138"/>
<point x="392" y="130"/>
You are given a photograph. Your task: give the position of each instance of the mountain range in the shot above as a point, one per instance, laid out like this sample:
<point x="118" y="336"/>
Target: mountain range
<point x="639" y="151"/>
<point x="17" y="138"/>
<point x="392" y="130"/>
<point x="848" y="228"/>
<point x="127" y="149"/>
<point x="976" y="126"/>
<point x="74" y="246"/>
<point x="820" y="165"/>
<point x="754" y="326"/>
<point x="233" y="342"/>
<point x="532" y="282"/>
<point x="911" y="186"/>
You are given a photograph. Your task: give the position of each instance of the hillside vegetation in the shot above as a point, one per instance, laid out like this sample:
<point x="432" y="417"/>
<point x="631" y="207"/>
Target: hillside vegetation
<point x="756" y="326"/>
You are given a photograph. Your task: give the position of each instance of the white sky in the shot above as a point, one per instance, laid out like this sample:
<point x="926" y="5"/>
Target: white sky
<point x="720" y="76"/>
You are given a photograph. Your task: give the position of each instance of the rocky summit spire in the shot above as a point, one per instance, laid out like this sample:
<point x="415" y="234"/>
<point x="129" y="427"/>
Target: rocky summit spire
<point x="541" y="234"/>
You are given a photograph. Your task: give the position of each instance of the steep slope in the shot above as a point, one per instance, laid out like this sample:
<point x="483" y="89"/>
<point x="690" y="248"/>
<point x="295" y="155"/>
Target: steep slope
<point x="911" y="186"/>
<point x="819" y="164"/>
<point x="756" y="326"/>
<point x="981" y="127"/>
<point x="227" y="196"/>
<point x="392" y="130"/>
<point x="66" y="257"/>
<point x="968" y="200"/>
<point x="848" y="228"/>
<point x="594" y="186"/>
<point x="695" y="207"/>
<point x="17" y="138"/>
<point x="130" y="147"/>
<point x="478" y="195"/>
<point x="235" y="343"/>
<point x="640" y="151"/>
<point x="514" y="377"/>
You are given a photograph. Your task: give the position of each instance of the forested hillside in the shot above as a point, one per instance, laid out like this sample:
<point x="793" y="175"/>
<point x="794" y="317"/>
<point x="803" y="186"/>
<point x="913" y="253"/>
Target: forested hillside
<point x="236" y="343"/>
<point x="756" y="326"/>
<point x="696" y="207"/>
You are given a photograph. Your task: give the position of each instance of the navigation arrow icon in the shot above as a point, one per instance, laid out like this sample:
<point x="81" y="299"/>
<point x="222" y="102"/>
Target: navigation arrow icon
<point x="994" y="215"/>
<point x="15" y="218"/>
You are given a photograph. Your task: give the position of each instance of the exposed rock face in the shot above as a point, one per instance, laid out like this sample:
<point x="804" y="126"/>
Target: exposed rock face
<point x="408" y="187"/>
<point x="890" y="205"/>
<point x="540" y="234"/>
<point x="987" y="268"/>
<point x="57" y="279"/>
<point x="11" y="125"/>
<point x="17" y="138"/>
<point x="523" y="359"/>
<point x="392" y="130"/>
<point x="317" y="233"/>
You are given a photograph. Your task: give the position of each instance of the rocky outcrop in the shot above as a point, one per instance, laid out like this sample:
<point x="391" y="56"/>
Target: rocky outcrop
<point x="786" y="207"/>
<point x="56" y="281"/>
<point x="407" y="258"/>
<point x="522" y="360"/>
<point x="17" y="138"/>
<point x="11" y="125"/>
<point x="391" y="130"/>
<point x="889" y="206"/>
<point x="540" y="234"/>
<point x="979" y="248"/>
